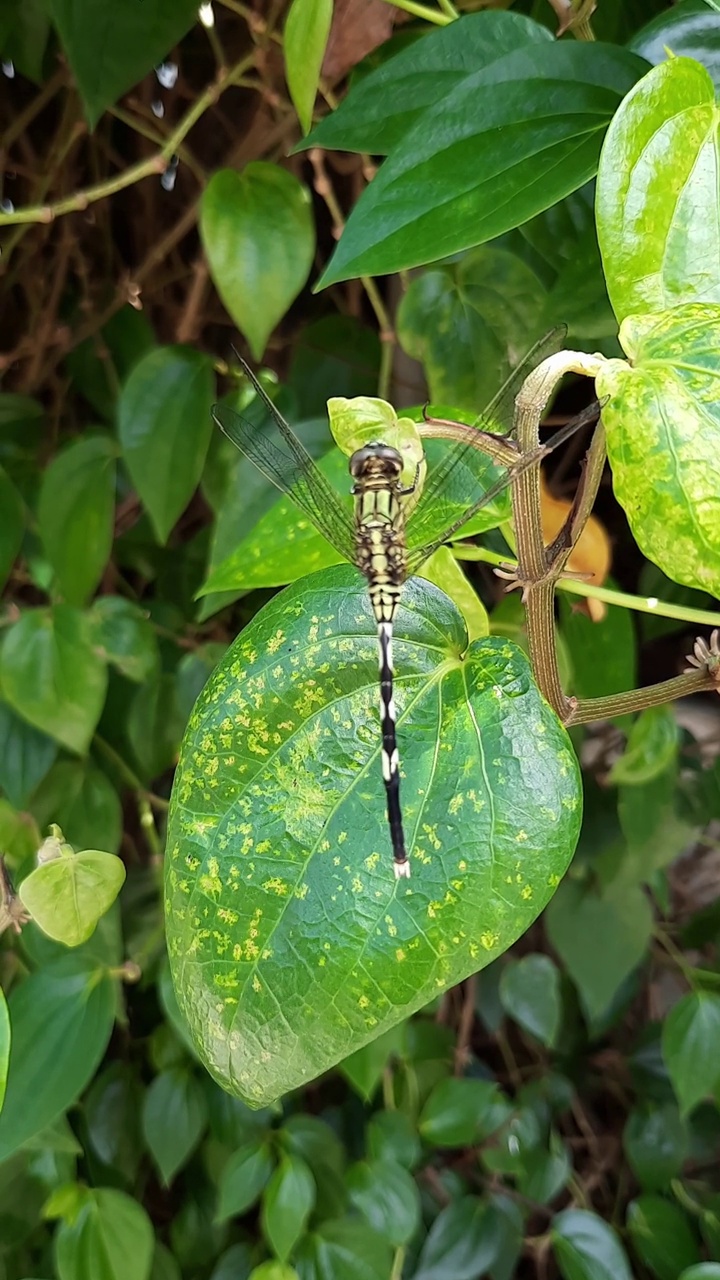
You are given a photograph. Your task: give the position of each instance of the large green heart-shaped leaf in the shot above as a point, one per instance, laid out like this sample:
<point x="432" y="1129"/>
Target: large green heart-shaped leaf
<point x="657" y="197"/>
<point x="663" y="438"/>
<point x="291" y="943"/>
<point x="507" y="142"/>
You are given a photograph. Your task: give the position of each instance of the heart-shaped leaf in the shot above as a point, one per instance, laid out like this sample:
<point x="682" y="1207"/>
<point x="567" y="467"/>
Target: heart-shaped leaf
<point x="258" y="234"/>
<point x="307" y="27"/>
<point x="657" y="198"/>
<point x="663" y="437"/>
<point x="280" y="889"/>
<point x="75" y="514"/>
<point x="67" y="896"/>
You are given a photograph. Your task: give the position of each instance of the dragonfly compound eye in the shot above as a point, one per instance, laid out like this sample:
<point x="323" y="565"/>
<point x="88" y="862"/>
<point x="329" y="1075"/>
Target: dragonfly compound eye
<point x="376" y="459"/>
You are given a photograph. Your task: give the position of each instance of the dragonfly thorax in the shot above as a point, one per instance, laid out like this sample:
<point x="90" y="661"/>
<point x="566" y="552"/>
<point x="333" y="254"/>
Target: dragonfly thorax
<point x="376" y="466"/>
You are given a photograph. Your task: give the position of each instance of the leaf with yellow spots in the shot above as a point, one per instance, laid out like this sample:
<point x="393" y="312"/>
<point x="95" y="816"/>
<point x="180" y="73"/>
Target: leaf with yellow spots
<point x="292" y="945"/>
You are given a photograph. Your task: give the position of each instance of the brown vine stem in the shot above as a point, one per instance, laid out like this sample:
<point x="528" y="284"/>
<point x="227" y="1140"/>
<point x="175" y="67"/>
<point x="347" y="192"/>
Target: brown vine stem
<point x="143" y="169"/>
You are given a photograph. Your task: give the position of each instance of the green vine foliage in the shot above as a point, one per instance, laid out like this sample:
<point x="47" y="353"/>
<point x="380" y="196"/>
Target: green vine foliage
<point x="232" y="1046"/>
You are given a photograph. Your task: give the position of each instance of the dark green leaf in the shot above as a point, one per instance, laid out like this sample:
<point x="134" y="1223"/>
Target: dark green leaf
<point x="125" y="636"/>
<point x="703" y="1271"/>
<point x="545" y="1172"/>
<point x="586" y="1248"/>
<point x="651" y="747"/>
<point x="287" y="1203"/>
<point x="313" y="830"/>
<point x="689" y="29"/>
<point x="112" y="1114"/>
<point x="381" y="108"/>
<point x="458" y="1112"/>
<point x="392" y="1136"/>
<point x="602" y="653"/>
<point x="364" y="1069"/>
<point x="67" y="895"/>
<point x="307" y="27"/>
<point x="76" y="511"/>
<point x="244" y="1178"/>
<point x="111" y="1239"/>
<point x="192" y="674"/>
<point x="165" y="1267"/>
<point x="24" y="36"/>
<point x="83" y="802"/>
<point x="111" y="46"/>
<point x="466" y="321"/>
<point x="336" y="351"/>
<point x="661" y="1236"/>
<point x="656" y="1144"/>
<point x="654" y="831"/>
<point x="657" y="204"/>
<point x="493" y="157"/>
<point x="387" y="1197"/>
<point x="98" y="369"/>
<point x="530" y="993"/>
<point x="174" y="1119"/>
<point x="258" y="234"/>
<point x="461" y="1244"/>
<point x="505" y="1220"/>
<point x="25" y="756"/>
<point x="61" y="1021"/>
<point x="12" y="525"/>
<point x="164" y="426"/>
<point x="691" y="1047"/>
<point x="52" y="675"/>
<point x="155" y="725"/>
<point x="5" y="1036"/>
<point x="343" y="1249"/>
<point x="663" y="474"/>
<point x="235" y="1264"/>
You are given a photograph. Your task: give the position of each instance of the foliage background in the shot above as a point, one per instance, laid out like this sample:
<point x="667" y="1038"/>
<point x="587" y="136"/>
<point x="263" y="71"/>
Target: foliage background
<point x="559" y="1114"/>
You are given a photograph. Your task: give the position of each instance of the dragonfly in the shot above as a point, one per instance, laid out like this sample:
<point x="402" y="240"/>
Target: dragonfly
<point x="373" y="536"/>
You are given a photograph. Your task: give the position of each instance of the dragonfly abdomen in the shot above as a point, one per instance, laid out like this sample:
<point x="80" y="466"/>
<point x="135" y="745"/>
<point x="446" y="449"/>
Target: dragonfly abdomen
<point x="390" y="758"/>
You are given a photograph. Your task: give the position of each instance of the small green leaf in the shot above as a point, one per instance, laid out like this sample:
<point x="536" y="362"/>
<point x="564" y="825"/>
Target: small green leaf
<point x="661" y="1236"/>
<point x="164" y="1266"/>
<point x="691" y="1047"/>
<point x="174" y="1119"/>
<point x="164" y="426"/>
<point x="257" y="230"/>
<point x="315" y="810"/>
<point x="346" y="1249"/>
<point x="307" y="27"/>
<point x="125" y="636"/>
<point x="457" y="1112"/>
<point x="67" y="896"/>
<point x="112" y="1113"/>
<point x="651" y="747"/>
<point x="110" y="1239"/>
<point x="52" y="675"/>
<point x="494" y="161"/>
<point x="689" y="29"/>
<point x="586" y="1248"/>
<point x="111" y="46"/>
<point x="155" y="725"/>
<point x="392" y="1136"/>
<point x="466" y="321"/>
<point x="657" y="199"/>
<point x="61" y="1020"/>
<point x="273" y="1271"/>
<point x="545" y="1171"/>
<point x="287" y="1203"/>
<point x="243" y="1178"/>
<point x="236" y="1263"/>
<point x="25" y="756"/>
<point x="664" y="475"/>
<point x="600" y="939"/>
<point x="387" y="1197"/>
<point x="5" y="1036"/>
<point x="364" y="1069"/>
<point x="703" y="1271"/>
<point x="656" y="1144"/>
<point x="530" y="993"/>
<point x="12" y="525"/>
<point x="76" y="511"/>
<point x="461" y="1243"/>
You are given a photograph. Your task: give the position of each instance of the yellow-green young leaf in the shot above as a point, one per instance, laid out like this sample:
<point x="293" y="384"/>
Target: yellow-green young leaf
<point x="110" y="1239"/>
<point x="52" y="674"/>
<point x="12" y="524"/>
<point x="75" y="515"/>
<point x="67" y="897"/>
<point x="662" y="421"/>
<point x="279" y="881"/>
<point x="257" y="230"/>
<point x="164" y="426"/>
<point x="272" y="1270"/>
<point x="657" y="208"/>
<point x="306" y="32"/>
<point x="4" y="1046"/>
<point x="443" y="569"/>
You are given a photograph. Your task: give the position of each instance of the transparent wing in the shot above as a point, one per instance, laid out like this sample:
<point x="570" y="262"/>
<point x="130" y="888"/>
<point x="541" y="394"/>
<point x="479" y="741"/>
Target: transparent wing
<point x="273" y="447"/>
<point x="418" y="555"/>
<point x="497" y="417"/>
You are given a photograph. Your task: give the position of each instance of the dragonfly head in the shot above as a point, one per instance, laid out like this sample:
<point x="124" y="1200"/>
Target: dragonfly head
<point x="377" y="464"/>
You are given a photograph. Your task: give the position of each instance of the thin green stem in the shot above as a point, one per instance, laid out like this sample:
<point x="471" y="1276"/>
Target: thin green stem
<point x="398" y="1264"/>
<point x="422" y="11"/>
<point x="640" y="604"/>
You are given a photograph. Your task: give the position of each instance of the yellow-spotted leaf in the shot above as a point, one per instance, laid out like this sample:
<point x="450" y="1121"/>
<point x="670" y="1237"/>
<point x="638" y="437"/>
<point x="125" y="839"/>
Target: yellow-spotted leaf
<point x="291" y="942"/>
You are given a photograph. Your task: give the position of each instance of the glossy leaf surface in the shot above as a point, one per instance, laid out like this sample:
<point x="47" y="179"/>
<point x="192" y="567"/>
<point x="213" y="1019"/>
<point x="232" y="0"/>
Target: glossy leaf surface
<point x="662" y="422"/>
<point x="111" y="1239"/>
<point x="657" y="197"/>
<point x="174" y="1117"/>
<point x="259" y="238"/>
<point x="586" y="1248"/>
<point x="279" y="874"/>
<point x="306" y="31"/>
<point x="67" y="896"/>
<point x="691" y="1047"/>
<point x="75" y="515"/>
